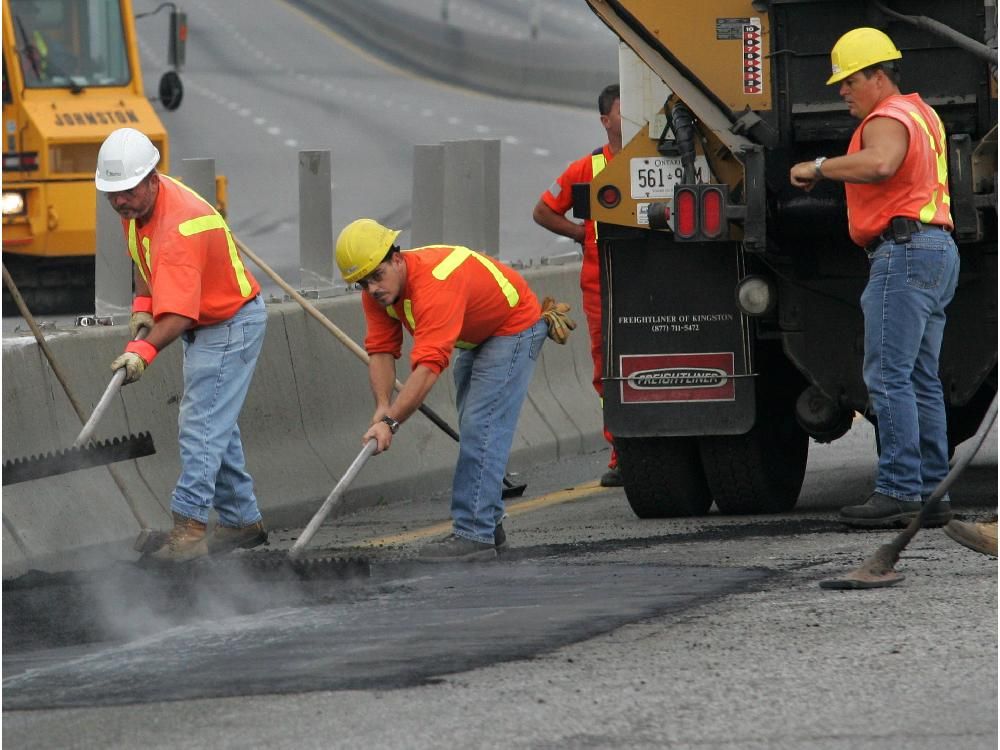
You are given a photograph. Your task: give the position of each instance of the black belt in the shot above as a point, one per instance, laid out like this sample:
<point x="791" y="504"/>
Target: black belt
<point x="899" y="231"/>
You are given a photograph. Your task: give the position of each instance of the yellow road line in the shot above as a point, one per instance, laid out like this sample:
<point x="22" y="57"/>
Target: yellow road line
<point x="514" y="509"/>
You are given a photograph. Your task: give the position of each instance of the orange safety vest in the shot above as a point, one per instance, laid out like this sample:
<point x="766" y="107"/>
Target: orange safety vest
<point x="454" y="297"/>
<point x="186" y="255"/>
<point x="919" y="189"/>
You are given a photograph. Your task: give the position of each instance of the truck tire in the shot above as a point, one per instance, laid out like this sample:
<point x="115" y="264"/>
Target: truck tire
<point x="760" y="471"/>
<point x="663" y="476"/>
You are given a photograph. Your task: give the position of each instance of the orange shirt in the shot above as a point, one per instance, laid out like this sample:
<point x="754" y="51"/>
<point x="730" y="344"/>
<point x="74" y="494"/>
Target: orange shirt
<point x="918" y="190"/>
<point x="559" y="197"/>
<point x="452" y="297"/>
<point x="187" y="256"/>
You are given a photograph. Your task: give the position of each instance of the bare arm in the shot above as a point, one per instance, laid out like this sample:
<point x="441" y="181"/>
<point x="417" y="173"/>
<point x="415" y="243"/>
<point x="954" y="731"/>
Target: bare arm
<point x="884" y="144"/>
<point x="557" y="223"/>
<point x="409" y="399"/>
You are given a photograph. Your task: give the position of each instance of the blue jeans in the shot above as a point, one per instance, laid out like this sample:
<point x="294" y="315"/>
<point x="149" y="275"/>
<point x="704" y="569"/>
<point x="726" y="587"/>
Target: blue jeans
<point x="491" y="383"/>
<point x="909" y="286"/>
<point x="219" y="362"/>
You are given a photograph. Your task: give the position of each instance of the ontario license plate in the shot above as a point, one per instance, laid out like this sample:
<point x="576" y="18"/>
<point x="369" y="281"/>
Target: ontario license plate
<point x="654" y="177"/>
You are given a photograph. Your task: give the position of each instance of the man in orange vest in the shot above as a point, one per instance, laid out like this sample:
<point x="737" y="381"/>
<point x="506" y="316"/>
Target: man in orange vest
<point x="190" y="283"/>
<point x="449" y="297"/>
<point x="895" y="176"/>
<point x="550" y="212"/>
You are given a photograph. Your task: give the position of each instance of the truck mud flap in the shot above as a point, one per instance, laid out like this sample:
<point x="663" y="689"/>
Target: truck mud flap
<point x="677" y="350"/>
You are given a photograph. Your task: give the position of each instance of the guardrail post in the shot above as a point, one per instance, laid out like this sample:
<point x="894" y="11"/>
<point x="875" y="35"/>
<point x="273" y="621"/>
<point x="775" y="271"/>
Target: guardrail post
<point x="315" y="221"/>
<point x="112" y="267"/>
<point x="199" y="175"/>
<point x="426" y="226"/>
<point x="472" y="195"/>
<point x="456" y="195"/>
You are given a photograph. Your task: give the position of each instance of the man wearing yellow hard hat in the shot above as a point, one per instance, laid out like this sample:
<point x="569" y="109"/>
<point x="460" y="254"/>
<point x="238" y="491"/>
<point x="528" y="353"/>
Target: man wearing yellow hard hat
<point x="448" y="298"/>
<point x="895" y="176"/>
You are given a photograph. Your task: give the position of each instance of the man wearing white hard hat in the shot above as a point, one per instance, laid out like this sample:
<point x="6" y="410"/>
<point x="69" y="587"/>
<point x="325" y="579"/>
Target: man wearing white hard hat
<point x="190" y="283"/>
<point x="895" y="176"/>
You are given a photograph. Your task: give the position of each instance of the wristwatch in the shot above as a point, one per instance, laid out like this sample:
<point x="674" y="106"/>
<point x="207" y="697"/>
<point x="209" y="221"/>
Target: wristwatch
<point x="393" y="424"/>
<point x="817" y="164"/>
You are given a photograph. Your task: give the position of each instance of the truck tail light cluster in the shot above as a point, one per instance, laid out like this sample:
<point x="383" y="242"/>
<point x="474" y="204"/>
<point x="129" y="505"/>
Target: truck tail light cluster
<point x="20" y="161"/>
<point x="700" y="213"/>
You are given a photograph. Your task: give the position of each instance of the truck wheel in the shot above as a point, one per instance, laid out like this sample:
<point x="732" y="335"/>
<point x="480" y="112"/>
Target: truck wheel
<point x="663" y="476"/>
<point x="759" y="472"/>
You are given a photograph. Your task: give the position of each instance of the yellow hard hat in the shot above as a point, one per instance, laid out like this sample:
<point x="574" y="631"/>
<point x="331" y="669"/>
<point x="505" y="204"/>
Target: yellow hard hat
<point x="361" y="246"/>
<point x="859" y="48"/>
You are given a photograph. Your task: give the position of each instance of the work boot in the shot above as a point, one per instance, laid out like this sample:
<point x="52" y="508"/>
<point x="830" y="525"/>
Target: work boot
<point x="227" y="538"/>
<point x="884" y="512"/>
<point x="186" y="541"/>
<point x="499" y="538"/>
<point x="612" y="478"/>
<point x="980" y="536"/>
<point x="455" y="548"/>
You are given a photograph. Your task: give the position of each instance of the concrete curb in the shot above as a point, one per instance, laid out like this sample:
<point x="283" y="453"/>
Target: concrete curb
<point x="307" y="407"/>
<point x="550" y="71"/>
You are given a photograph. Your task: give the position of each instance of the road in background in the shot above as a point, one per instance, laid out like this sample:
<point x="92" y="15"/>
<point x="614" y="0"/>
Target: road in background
<point x="264" y="80"/>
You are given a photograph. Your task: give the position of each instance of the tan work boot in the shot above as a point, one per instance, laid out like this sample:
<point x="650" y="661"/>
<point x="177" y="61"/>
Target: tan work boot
<point x="980" y="537"/>
<point x="186" y="541"/>
<point x="227" y="538"/>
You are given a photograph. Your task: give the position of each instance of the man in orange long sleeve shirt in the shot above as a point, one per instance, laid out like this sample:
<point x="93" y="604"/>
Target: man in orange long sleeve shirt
<point x="550" y="212"/>
<point x="449" y="297"/>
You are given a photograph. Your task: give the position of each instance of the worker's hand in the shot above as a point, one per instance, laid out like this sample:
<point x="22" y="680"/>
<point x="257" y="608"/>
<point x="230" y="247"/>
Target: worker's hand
<point x="559" y="323"/>
<point x="134" y="366"/>
<point x="803" y="175"/>
<point x="382" y="435"/>
<point x="139" y="320"/>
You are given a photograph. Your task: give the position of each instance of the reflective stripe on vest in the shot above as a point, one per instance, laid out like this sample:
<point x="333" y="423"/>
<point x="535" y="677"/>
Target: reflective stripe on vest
<point x="941" y="195"/>
<point x="597" y="165"/>
<point x="446" y="268"/>
<point x="187" y="228"/>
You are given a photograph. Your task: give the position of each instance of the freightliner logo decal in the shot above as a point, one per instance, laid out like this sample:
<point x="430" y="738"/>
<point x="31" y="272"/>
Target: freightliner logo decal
<point x="697" y="376"/>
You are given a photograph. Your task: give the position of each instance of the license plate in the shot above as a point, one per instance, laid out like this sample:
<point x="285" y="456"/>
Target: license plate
<point x="654" y="177"/>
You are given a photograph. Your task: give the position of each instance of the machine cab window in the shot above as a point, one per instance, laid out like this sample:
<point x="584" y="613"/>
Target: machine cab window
<point x="70" y="43"/>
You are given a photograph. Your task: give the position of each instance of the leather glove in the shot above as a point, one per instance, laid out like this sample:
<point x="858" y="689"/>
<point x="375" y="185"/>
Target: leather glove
<point x="134" y="366"/>
<point x="139" y="354"/>
<point x="559" y="323"/>
<point x="139" y="320"/>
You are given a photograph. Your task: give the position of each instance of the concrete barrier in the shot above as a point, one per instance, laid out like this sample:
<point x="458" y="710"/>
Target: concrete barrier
<point x="307" y="407"/>
<point x="549" y="71"/>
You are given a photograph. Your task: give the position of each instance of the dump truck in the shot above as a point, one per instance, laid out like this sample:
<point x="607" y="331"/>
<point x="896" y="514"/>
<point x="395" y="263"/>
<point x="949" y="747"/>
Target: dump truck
<point x="733" y="332"/>
<point x="71" y="75"/>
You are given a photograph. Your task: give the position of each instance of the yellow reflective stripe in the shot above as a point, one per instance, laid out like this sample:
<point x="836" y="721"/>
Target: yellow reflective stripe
<point x="456" y="257"/>
<point x="210" y="222"/>
<point x="408" y="312"/>
<point x="597" y="165"/>
<point x="145" y="251"/>
<point x="391" y="312"/>
<point x="464" y="345"/>
<point x="133" y="250"/>
<point x="929" y="211"/>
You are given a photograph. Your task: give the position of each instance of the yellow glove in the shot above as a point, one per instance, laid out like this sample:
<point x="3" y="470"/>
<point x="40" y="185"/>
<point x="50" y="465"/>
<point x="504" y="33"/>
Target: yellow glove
<point x="134" y="366"/>
<point x="138" y="321"/>
<point x="560" y="324"/>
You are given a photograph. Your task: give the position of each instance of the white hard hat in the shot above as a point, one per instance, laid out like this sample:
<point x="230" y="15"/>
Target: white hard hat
<point x="126" y="156"/>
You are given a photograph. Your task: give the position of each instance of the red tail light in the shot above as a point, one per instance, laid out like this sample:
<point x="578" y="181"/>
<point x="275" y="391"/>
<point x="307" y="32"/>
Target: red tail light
<point x="686" y="210"/>
<point x="711" y="213"/>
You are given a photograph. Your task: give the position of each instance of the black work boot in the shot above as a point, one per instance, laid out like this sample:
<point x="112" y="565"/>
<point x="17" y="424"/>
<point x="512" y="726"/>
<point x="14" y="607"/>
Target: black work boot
<point x="455" y="548"/>
<point x="612" y="478"/>
<point x="499" y="538"/>
<point x="884" y="512"/>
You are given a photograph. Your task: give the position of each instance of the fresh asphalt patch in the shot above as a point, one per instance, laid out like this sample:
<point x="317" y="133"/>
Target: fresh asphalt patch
<point x="132" y="637"/>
